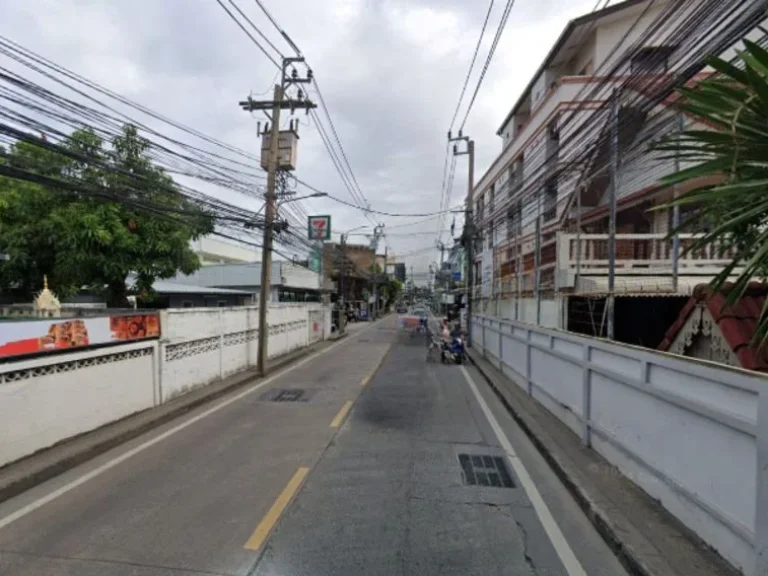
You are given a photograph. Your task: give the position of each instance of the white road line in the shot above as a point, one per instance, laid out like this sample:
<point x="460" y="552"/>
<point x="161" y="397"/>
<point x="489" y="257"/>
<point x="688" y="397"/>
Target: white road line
<point x="563" y="549"/>
<point x="51" y="496"/>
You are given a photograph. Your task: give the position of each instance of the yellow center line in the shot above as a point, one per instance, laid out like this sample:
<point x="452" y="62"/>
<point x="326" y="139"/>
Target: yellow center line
<point x="339" y="420"/>
<point x="259" y="536"/>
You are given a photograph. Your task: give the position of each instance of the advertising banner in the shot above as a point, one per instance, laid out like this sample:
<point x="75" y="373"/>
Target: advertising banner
<point x="21" y="337"/>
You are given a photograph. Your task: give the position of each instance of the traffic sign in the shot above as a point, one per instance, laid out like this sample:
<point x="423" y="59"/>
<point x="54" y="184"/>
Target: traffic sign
<point x="319" y="228"/>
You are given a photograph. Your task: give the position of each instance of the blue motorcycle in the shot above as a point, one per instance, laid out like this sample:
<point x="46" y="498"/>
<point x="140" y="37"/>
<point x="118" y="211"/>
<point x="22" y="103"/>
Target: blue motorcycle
<point x="453" y="352"/>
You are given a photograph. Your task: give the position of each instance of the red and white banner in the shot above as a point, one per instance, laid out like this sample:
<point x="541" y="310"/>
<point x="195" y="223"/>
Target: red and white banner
<point x="20" y="337"/>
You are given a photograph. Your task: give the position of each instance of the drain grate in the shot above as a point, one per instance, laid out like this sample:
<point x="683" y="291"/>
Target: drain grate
<point x="485" y="470"/>
<point x="292" y="395"/>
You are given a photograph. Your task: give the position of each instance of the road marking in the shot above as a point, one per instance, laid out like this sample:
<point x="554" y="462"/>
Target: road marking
<point x="563" y="549"/>
<point x="339" y="420"/>
<point x="365" y="381"/>
<point x="267" y="523"/>
<point x="51" y="496"/>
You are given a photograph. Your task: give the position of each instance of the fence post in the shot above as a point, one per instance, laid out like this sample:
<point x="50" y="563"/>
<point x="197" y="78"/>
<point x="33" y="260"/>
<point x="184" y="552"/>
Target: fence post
<point x="157" y="370"/>
<point x="528" y="362"/>
<point x="761" y="496"/>
<point x="501" y="337"/>
<point x="586" y="396"/>
<point x="221" y="345"/>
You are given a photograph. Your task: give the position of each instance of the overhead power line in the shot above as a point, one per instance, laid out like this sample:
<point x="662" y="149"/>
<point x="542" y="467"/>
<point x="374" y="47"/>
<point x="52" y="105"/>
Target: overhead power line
<point x="256" y="28"/>
<point x="471" y="65"/>
<point x="491" y="52"/>
<point x="245" y="30"/>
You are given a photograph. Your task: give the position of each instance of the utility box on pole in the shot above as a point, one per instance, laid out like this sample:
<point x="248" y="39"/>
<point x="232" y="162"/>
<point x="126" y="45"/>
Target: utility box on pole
<point x="286" y="150"/>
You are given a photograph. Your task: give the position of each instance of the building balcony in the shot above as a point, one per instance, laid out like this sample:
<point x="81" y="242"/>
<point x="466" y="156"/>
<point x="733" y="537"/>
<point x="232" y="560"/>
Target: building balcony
<point x="644" y="264"/>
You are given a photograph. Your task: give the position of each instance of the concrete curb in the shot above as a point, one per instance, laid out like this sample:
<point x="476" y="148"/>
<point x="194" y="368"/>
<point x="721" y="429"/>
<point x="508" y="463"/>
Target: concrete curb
<point x="635" y="551"/>
<point x="30" y="471"/>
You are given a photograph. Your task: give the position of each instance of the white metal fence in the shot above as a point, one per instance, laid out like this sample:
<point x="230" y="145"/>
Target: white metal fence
<point x="685" y="431"/>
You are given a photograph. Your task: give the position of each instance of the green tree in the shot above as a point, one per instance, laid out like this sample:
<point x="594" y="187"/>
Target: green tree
<point x="115" y="213"/>
<point x="729" y="175"/>
<point x="391" y="291"/>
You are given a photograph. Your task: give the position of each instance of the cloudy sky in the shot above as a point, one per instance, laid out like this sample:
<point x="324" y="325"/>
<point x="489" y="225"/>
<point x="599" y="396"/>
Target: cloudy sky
<point x="390" y="71"/>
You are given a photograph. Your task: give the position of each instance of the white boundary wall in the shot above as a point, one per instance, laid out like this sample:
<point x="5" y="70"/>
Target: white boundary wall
<point x="692" y="434"/>
<point x="51" y="398"/>
<point x="201" y="345"/>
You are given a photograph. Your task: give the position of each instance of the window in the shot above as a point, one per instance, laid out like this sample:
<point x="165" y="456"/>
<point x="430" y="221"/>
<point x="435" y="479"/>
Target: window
<point x="492" y="197"/>
<point x="490" y="234"/>
<point x="186" y="304"/>
<point x="515" y="219"/>
<point x="550" y="200"/>
<point x="222" y="303"/>
<point x="651" y="59"/>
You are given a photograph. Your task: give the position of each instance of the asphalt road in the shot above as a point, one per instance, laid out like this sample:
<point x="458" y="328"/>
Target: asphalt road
<point x="357" y="475"/>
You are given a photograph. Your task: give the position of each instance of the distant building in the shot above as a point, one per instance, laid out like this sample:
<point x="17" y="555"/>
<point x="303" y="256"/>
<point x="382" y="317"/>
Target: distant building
<point x="354" y="263"/>
<point x="211" y="250"/>
<point x="289" y="282"/>
<point x="170" y="294"/>
<point x="400" y="272"/>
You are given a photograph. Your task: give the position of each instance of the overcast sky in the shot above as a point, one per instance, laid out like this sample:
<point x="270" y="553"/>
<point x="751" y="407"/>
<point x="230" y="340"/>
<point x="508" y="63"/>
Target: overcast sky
<point x="390" y="71"/>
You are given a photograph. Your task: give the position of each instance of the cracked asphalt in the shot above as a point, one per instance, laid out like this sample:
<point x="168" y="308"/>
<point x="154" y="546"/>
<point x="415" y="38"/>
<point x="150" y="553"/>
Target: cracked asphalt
<point x="361" y="477"/>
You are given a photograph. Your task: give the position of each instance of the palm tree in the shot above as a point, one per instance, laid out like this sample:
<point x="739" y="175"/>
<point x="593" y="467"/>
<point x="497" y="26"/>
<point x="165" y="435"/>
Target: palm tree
<point x="728" y="179"/>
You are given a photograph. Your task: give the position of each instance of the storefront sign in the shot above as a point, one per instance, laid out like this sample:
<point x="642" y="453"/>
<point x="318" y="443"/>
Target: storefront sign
<point x="20" y="337"/>
<point x="319" y="228"/>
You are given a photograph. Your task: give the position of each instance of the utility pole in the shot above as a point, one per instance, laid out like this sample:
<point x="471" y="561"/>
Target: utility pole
<point x="278" y="103"/>
<point x="441" y="279"/>
<point x="614" y="145"/>
<point x="676" y="216"/>
<point x="469" y="226"/>
<point x="537" y="258"/>
<point x="342" y="306"/>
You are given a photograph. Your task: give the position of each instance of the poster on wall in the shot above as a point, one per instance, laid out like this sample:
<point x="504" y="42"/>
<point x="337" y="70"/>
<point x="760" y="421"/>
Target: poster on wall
<point x="22" y="337"/>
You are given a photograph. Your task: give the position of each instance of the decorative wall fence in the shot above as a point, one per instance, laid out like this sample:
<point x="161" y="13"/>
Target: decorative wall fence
<point x="47" y="399"/>
<point x="692" y="434"/>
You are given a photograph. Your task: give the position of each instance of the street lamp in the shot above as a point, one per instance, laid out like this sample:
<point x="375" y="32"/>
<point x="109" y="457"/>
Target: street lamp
<point x="345" y="235"/>
<point x="313" y="195"/>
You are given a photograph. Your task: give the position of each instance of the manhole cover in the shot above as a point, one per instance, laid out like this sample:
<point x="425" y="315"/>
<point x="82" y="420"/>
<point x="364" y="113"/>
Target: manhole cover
<point x="293" y="395"/>
<point x="485" y="470"/>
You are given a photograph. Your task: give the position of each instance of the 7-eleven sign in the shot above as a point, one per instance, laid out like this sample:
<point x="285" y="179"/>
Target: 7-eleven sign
<point x="319" y="228"/>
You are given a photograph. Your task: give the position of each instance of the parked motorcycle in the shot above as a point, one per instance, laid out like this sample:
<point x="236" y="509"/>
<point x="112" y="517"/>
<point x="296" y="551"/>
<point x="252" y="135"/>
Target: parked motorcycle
<point x="453" y="352"/>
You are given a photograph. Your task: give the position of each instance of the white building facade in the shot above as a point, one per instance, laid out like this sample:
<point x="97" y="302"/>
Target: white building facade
<point x="541" y="209"/>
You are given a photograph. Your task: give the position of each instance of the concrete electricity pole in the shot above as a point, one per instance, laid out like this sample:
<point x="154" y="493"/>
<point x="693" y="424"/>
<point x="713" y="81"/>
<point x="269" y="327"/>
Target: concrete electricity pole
<point x="278" y="103"/>
<point x="469" y="226"/>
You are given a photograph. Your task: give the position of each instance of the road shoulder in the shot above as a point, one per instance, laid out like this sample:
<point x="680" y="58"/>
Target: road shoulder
<point x="645" y="537"/>
<point x="21" y="475"/>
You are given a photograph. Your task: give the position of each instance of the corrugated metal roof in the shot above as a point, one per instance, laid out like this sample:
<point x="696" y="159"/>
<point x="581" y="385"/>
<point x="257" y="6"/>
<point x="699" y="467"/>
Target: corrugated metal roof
<point x="168" y="287"/>
<point x="172" y="287"/>
<point x="249" y="274"/>
<point x="639" y="285"/>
